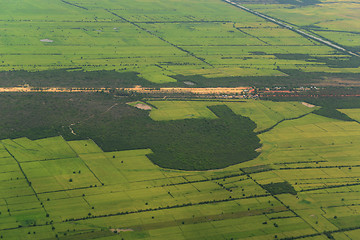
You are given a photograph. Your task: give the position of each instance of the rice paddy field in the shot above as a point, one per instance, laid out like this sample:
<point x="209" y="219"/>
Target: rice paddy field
<point x="164" y="39"/>
<point x="329" y="19"/>
<point x="303" y="185"/>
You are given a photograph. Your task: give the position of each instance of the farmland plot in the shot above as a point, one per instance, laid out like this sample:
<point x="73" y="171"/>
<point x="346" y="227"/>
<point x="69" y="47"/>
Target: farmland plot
<point x="304" y="184"/>
<point x="163" y="40"/>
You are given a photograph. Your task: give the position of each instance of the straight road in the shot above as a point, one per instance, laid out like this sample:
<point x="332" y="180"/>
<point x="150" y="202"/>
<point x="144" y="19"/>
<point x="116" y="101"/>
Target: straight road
<point x="282" y="24"/>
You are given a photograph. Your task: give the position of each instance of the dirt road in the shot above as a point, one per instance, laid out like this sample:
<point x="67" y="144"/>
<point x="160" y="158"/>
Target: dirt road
<point x="237" y="90"/>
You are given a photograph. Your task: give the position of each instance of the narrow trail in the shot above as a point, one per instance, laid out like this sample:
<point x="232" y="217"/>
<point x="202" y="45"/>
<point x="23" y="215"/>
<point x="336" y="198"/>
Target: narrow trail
<point x="92" y="116"/>
<point x="72" y="130"/>
<point x="110" y="108"/>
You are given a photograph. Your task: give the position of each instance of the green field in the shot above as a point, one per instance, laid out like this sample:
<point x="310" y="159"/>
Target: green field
<point x="164" y="40"/>
<point x="353" y="113"/>
<point x="332" y="20"/>
<point x="303" y="185"/>
<point x="95" y="165"/>
<point x="264" y="113"/>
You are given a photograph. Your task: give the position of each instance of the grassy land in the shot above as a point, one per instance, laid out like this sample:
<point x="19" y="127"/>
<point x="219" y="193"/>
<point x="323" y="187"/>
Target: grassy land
<point x="304" y="184"/>
<point x="135" y="42"/>
<point x="264" y="113"/>
<point x="352" y="113"/>
<point x="182" y="144"/>
<point x="332" y="20"/>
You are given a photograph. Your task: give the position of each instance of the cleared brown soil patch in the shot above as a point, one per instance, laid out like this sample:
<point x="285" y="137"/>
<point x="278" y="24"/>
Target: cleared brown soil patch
<point x="308" y="104"/>
<point x="143" y="106"/>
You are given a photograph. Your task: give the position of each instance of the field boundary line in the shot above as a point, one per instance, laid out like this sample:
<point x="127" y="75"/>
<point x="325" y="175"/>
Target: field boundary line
<point x="167" y="207"/>
<point x="87" y="166"/>
<point x="282" y="23"/>
<point x="73" y="4"/>
<point x="283" y="120"/>
<point x="162" y="39"/>
<point x="282" y="203"/>
<point x="26" y="178"/>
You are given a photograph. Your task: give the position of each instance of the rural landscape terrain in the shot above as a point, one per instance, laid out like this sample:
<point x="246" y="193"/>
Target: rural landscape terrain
<point x="201" y="119"/>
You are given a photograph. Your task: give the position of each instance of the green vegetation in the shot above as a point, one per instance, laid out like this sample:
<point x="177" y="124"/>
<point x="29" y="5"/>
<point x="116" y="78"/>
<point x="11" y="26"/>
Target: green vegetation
<point x="191" y="144"/>
<point x="303" y="185"/>
<point x="196" y="144"/>
<point x="332" y="113"/>
<point x="97" y="166"/>
<point x="352" y="113"/>
<point x="332" y="20"/>
<point x="279" y="188"/>
<point x="264" y="113"/>
<point x="326" y="102"/>
<point x="342" y="108"/>
<point x="63" y="78"/>
<point x="210" y="43"/>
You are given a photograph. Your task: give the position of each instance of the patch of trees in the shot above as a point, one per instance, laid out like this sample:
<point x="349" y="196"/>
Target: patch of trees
<point x="327" y="101"/>
<point x="279" y="188"/>
<point x="333" y="62"/>
<point x="114" y="79"/>
<point x="64" y="78"/>
<point x="332" y="113"/>
<point x="201" y="144"/>
<point x="190" y="144"/>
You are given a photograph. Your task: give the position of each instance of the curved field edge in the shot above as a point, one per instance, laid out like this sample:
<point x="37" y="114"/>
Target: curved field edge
<point x="265" y="114"/>
<point x="71" y="189"/>
<point x="191" y="144"/>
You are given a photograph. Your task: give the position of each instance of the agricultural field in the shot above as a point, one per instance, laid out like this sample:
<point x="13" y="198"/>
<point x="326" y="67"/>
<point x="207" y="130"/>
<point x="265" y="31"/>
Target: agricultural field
<point x="163" y="41"/>
<point x="336" y="21"/>
<point x="116" y="164"/>
<point x="353" y="113"/>
<point x="264" y="113"/>
<point x="303" y="184"/>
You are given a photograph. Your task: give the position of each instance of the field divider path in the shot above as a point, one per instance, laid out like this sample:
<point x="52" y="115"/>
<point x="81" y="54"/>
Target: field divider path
<point x="167" y="207"/>
<point x="325" y="233"/>
<point x="102" y="184"/>
<point x="26" y="178"/>
<point x="282" y="203"/>
<point x="208" y="218"/>
<point x="73" y="4"/>
<point x="65" y="190"/>
<point x="161" y="38"/>
<point x="285" y="119"/>
<point x="282" y="23"/>
<point x="203" y="180"/>
<point x="248" y="34"/>
<point x="330" y="187"/>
